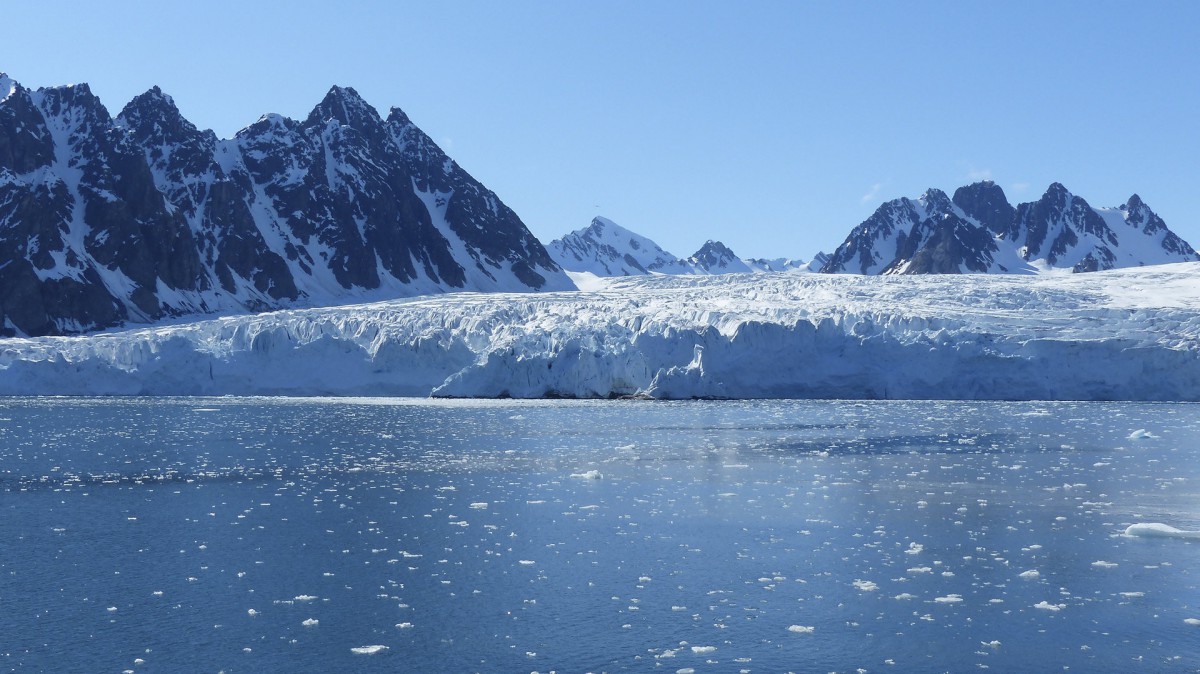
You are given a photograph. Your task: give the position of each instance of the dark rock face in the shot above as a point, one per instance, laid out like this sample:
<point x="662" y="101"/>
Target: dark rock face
<point x="985" y="202"/>
<point x="980" y="232"/>
<point x="929" y="235"/>
<point x="952" y="245"/>
<point x="145" y="216"/>
<point x="1052" y="225"/>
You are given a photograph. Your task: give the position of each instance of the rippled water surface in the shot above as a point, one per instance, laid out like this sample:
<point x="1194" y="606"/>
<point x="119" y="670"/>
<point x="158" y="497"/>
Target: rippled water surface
<point x="250" y="535"/>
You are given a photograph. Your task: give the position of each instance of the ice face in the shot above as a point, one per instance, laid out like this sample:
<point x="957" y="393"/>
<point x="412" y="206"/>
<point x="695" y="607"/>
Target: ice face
<point x="1127" y="334"/>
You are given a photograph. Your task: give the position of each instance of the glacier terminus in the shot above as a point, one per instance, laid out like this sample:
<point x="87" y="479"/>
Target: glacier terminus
<point x="1127" y="334"/>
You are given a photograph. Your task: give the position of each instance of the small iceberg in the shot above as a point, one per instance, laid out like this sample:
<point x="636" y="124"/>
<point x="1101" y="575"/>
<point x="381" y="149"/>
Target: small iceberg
<point x="368" y="650"/>
<point x="1158" y="530"/>
<point x="1142" y="434"/>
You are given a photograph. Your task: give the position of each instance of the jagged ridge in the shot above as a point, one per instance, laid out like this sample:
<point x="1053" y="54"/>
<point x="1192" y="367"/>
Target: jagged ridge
<point x="105" y="221"/>
<point x="979" y="231"/>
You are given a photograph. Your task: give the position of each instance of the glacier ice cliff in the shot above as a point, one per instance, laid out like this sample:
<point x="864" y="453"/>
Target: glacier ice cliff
<point x="1130" y="334"/>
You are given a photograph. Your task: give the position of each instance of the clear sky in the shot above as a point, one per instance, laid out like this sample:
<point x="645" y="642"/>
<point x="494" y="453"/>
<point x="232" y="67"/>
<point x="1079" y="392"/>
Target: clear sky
<point x="772" y="126"/>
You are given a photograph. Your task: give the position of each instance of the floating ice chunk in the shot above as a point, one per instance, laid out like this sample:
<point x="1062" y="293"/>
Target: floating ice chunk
<point x="479" y="506"/>
<point x="311" y="622"/>
<point x="368" y="650"/>
<point x="1132" y="595"/>
<point x="991" y="644"/>
<point x="866" y="585"/>
<point x="1030" y="574"/>
<point x="701" y="650"/>
<point x="589" y="475"/>
<point x="1158" y="530"/>
<point x="1192" y="621"/>
<point x="627" y="448"/>
<point x="112" y="609"/>
<point x="1142" y="434"/>
<point x="920" y="569"/>
<point x="904" y="595"/>
<point x="251" y="612"/>
<point x="801" y="629"/>
<point x="914" y="549"/>
<point x="526" y="562"/>
<point x="1103" y="564"/>
<point x="303" y="597"/>
<point x="1047" y="606"/>
<point x="403" y="626"/>
<point x="949" y="599"/>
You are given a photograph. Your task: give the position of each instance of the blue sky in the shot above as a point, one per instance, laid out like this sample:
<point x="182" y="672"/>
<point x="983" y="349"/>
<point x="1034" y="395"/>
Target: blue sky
<point x="772" y="126"/>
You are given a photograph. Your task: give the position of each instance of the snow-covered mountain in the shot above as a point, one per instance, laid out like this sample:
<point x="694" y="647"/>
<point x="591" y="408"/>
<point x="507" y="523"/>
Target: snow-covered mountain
<point x="787" y="264"/>
<point x="605" y="249"/>
<point x="715" y="257"/>
<point x="979" y="231"/>
<point x="140" y="217"/>
<point x="1130" y="334"/>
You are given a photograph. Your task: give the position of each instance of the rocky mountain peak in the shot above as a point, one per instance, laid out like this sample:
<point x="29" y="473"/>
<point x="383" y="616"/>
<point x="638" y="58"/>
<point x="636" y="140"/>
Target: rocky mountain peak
<point x="1056" y="193"/>
<point x="154" y="114"/>
<point x="73" y="101"/>
<point x="270" y="124"/>
<point x="147" y="217"/>
<point x="983" y="233"/>
<point x="715" y="257"/>
<point x="347" y="107"/>
<point x="8" y="86"/>
<point x="397" y="117"/>
<point x="936" y="201"/>
<point x="985" y="201"/>
<point x="714" y="248"/>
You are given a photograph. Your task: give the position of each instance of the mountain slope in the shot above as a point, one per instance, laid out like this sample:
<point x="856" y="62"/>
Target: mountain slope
<point x="141" y="217"/>
<point x="979" y="231"/>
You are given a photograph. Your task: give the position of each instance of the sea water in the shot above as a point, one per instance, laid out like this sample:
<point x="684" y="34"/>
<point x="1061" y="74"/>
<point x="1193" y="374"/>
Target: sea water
<point x="305" y="535"/>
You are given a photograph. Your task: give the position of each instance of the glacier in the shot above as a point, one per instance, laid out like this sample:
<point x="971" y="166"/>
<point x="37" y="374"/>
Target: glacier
<point x="1126" y="334"/>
